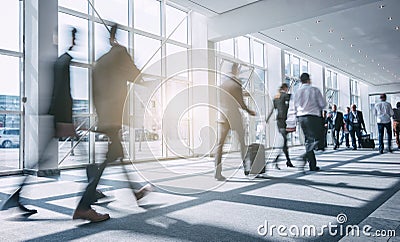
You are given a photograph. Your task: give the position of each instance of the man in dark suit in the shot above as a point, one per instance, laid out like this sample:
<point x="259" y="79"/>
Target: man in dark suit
<point x="335" y="120"/>
<point x="356" y="125"/>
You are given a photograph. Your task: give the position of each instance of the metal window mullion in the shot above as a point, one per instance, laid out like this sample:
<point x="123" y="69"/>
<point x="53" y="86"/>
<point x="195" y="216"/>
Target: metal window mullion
<point x="91" y="56"/>
<point x="11" y="53"/>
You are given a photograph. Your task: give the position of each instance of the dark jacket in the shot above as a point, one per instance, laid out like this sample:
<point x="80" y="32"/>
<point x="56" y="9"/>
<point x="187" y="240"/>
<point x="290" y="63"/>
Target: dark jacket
<point x="61" y="103"/>
<point x="110" y="75"/>
<point x="360" y="121"/>
<point x="336" y="123"/>
<point x="281" y="104"/>
<point x="396" y="115"/>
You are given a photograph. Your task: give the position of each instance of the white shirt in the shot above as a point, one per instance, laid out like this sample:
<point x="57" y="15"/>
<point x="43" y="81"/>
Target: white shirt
<point x="308" y="100"/>
<point x="383" y="112"/>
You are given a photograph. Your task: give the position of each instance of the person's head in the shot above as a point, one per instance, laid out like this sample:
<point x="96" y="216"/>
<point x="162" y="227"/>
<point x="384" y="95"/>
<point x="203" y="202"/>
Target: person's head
<point x="324" y="113"/>
<point x="113" y="32"/>
<point x="398" y="105"/>
<point x="235" y="69"/>
<point x="284" y="87"/>
<point x="305" y="78"/>
<point x="382" y="97"/>
<point x="73" y="37"/>
<point x="353" y="107"/>
<point x="334" y="108"/>
<point x="348" y="109"/>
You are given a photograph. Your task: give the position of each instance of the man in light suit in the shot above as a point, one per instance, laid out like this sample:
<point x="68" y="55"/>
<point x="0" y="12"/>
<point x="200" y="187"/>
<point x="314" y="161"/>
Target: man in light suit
<point x="335" y="119"/>
<point x="230" y="101"/>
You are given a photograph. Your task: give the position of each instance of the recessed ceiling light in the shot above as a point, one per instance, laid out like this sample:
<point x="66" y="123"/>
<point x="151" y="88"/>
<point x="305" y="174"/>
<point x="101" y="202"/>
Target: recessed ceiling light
<point x="397" y="28"/>
<point x="381" y="6"/>
<point x="342" y="38"/>
<point x="387" y="70"/>
<point x="383" y="67"/>
<point x="366" y="56"/>
<point x="390" y="18"/>
<point x="330" y="31"/>
<point x="309" y="45"/>
<point x="297" y="38"/>
<point x="318" y="21"/>
<point x="372" y="60"/>
<point x="379" y="64"/>
<point x="320" y="51"/>
<point x="351" y="45"/>
<point x="282" y="30"/>
<point x="359" y="51"/>
<point x="330" y="56"/>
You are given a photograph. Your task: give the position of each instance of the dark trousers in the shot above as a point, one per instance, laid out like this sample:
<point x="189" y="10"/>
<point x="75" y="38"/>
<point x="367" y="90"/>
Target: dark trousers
<point x="396" y="129"/>
<point x="115" y="151"/>
<point x="356" y="130"/>
<point x="381" y="129"/>
<point x="285" y="148"/>
<point x="346" y="137"/>
<point x="335" y="136"/>
<point x="311" y="126"/>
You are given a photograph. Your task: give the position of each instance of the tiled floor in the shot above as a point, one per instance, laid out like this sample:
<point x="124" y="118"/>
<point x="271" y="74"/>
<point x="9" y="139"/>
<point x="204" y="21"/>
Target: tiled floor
<point x="189" y="205"/>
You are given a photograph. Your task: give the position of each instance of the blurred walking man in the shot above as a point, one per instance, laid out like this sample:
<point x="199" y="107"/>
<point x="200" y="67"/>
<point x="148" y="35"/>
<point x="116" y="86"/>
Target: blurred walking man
<point x="309" y="104"/>
<point x="383" y="113"/>
<point x="230" y="101"/>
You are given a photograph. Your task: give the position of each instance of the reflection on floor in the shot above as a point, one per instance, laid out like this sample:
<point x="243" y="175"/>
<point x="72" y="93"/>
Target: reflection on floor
<point x="361" y="187"/>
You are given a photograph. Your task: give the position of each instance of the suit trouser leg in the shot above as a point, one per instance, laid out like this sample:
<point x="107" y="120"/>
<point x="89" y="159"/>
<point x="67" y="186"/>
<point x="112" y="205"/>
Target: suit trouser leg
<point x="114" y="152"/>
<point x="223" y="132"/>
<point x="380" y="136"/>
<point x="309" y="125"/>
<point x="396" y="129"/>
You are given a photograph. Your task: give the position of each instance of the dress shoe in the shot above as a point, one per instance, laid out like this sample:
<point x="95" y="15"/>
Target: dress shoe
<point x="354" y="148"/>
<point x="315" y="169"/>
<point x="381" y="152"/>
<point x="144" y="191"/>
<point x="335" y="148"/>
<point x="26" y="210"/>
<point x="390" y="150"/>
<point x="220" y="178"/>
<point x="90" y="215"/>
<point x="289" y="164"/>
<point x="99" y="195"/>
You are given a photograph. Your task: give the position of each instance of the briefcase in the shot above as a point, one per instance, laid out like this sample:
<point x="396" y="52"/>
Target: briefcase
<point x="367" y="142"/>
<point x="254" y="161"/>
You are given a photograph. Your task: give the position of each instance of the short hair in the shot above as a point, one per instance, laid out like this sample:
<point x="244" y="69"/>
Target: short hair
<point x="383" y="96"/>
<point x="398" y="104"/>
<point x="283" y="86"/>
<point x="305" y="77"/>
<point x="347" y="107"/>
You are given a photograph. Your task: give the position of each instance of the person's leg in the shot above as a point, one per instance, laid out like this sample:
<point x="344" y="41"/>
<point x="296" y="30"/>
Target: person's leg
<point x="342" y="138"/>
<point x="337" y="138"/>
<point x="83" y="210"/>
<point x="309" y="125"/>
<point x="380" y="137"/>
<point x="396" y="128"/>
<point x="389" y="134"/>
<point x="223" y="132"/>
<point x="346" y="135"/>
<point x="353" y="138"/>
<point x="358" y="133"/>
<point x="333" y="137"/>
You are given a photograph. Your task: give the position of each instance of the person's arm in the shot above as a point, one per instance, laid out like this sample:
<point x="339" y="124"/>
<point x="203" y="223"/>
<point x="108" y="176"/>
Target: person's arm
<point x="362" y="121"/>
<point x="391" y="110"/>
<point x="321" y="100"/>
<point x="238" y="94"/>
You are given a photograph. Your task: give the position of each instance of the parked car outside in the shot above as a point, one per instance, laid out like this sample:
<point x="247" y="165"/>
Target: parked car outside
<point x="9" y="137"/>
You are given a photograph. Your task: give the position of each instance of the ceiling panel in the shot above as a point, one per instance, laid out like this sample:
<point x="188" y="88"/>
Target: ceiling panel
<point x="362" y="41"/>
<point x="221" y="6"/>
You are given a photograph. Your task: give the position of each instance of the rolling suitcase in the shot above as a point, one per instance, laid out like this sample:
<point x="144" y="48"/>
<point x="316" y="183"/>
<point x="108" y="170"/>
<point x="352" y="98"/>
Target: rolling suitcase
<point x="367" y="142"/>
<point x="254" y="161"/>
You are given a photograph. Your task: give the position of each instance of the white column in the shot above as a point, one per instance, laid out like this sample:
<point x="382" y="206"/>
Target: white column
<point x="41" y="19"/>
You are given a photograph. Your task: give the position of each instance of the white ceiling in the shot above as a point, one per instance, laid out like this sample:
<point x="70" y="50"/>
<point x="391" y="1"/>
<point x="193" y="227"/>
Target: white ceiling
<point x="361" y="23"/>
